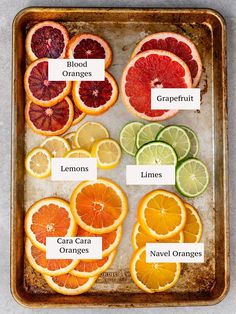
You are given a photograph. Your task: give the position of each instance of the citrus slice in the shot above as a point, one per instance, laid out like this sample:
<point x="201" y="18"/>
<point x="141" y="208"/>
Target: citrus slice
<point x="177" y="44"/>
<point x="148" y="133"/>
<point x="70" y="138"/>
<point x="156" y="153"/>
<point x="54" y="120"/>
<point x="39" y="89"/>
<point x="153" y="277"/>
<point x="140" y="237"/>
<point x="68" y="284"/>
<point x="152" y="69"/>
<point x="95" y="97"/>
<point x="56" y="145"/>
<point x="107" y="152"/>
<point x="192" y="178"/>
<point x="46" y="40"/>
<point x="38" y="163"/>
<point x="49" y="217"/>
<point x="89" y="46"/>
<point x="128" y="137"/>
<point x="161" y="214"/>
<point x="91" y="268"/>
<point x="78" y="153"/>
<point x="78" y="115"/>
<point x="88" y="133"/>
<point x="52" y="267"/>
<point x="193" y="140"/>
<point x="99" y="206"/>
<point x="193" y="226"/>
<point x="177" y="138"/>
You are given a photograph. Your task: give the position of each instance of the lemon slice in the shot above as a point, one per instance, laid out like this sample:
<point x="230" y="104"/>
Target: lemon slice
<point x="107" y="152"/>
<point x="56" y="145"/>
<point x="88" y="133"/>
<point x="38" y="163"/>
<point x="78" y="153"/>
<point x="70" y="138"/>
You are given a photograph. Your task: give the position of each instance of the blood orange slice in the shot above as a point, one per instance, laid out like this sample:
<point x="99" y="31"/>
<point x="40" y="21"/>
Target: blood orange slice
<point x="89" y="46"/>
<point x="177" y="44"/>
<point x="39" y="89"/>
<point x="52" y="267"/>
<point x="152" y="69"/>
<point x="95" y="97"/>
<point x="49" y="217"/>
<point x="48" y="121"/>
<point x="78" y="115"/>
<point x="46" y="40"/>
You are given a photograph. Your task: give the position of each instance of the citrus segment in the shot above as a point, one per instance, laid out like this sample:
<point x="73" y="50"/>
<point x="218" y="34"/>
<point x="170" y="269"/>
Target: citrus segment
<point x="78" y="153"/>
<point x="38" y="163"/>
<point x="56" y="145"/>
<point x="128" y="137"/>
<point x="193" y="226"/>
<point x="148" y="133"/>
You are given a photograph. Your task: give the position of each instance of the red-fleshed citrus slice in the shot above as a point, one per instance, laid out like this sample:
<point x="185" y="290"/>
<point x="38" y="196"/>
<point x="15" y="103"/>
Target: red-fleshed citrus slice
<point x="150" y="69"/>
<point x="91" y="268"/>
<point x="39" y="89"/>
<point x="68" y="284"/>
<point x="49" y="217"/>
<point x="54" y="120"/>
<point x="78" y="115"/>
<point x="179" y="45"/>
<point x="95" y="97"/>
<point x="46" y="40"/>
<point x="89" y="46"/>
<point x="99" y="206"/>
<point x="52" y="267"/>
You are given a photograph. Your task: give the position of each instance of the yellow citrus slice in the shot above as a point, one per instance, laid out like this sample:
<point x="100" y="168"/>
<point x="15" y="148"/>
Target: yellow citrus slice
<point x="78" y="153"/>
<point x="56" y="145"/>
<point x="38" y="163"/>
<point x="68" y="284"/>
<point x="140" y="237"/>
<point x="107" y="152"/>
<point x="153" y="277"/>
<point x="99" y="206"/>
<point x="52" y="267"/>
<point x="49" y="217"/>
<point x="193" y="226"/>
<point x="88" y="133"/>
<point x="70" y="138"/>
<point x="161" y="214"/>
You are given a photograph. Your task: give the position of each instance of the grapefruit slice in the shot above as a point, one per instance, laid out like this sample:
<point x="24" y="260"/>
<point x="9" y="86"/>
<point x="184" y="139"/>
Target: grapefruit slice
<point x="95" y="97"/>
<point x="152" y="69"/>
<point x="49" y="217"/>
<point x="39" y="89"/>
<point x="99" y="206"/>
<point x="68" y="284"/>
<point x="179" y="45"/>
<point x="78" y="115"/>
<point x="46" y="40"/>
<point x="49" y="121"/>
<point x="52" y="267"/>
<point x="89" y="46"/>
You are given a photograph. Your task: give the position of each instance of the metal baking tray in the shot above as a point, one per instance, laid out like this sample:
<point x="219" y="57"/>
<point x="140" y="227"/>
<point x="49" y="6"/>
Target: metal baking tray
<point x="199" y="284"/>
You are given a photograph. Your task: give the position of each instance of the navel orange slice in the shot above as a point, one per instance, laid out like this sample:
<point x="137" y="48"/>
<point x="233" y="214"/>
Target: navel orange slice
<point x="193" y="226"/>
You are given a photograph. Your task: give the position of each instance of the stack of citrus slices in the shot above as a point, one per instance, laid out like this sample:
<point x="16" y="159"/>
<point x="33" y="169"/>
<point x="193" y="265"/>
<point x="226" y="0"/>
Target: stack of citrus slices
<point x="96" y="208"/>
<point x="162" y="218"/>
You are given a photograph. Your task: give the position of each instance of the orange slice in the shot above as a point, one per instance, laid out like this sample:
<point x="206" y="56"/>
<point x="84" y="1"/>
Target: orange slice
<point x="49" y="217"/>
<point x="193" y="226"/>
<point x="99" y="206"/>
<point x="161" y="214"/>
<point x="68" y="284"/>
<point x="153" y="277"/>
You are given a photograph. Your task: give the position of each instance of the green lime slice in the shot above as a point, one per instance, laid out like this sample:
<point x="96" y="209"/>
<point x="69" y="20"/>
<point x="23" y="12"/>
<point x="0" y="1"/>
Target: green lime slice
<point x="148" y="133"/>
<point x="192" y="177"/>
<point x="176" y="137"/>
<point x="193" y="140"/>
<point x="128" y="137"/>
<point x="156" y="153"/>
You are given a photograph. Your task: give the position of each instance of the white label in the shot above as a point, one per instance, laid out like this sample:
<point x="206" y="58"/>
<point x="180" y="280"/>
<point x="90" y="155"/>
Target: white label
<point x="76" y="69"/>
<point x="74" y="169"/>
<point x="175" y="98"/>
<point x="175" y="252"/>
<point x="150" y="175"/>
<point x="74" y="248"/>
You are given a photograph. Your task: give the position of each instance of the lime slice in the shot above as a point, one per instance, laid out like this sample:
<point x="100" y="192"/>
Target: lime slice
<point x="148" y="133"/>
<point x="156" y="153"/>
<point x="128" y="137"/>
<point x="193" y="140"/>
<point x="192" y="177"/>
<point x="176" y="137"/>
